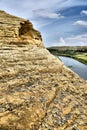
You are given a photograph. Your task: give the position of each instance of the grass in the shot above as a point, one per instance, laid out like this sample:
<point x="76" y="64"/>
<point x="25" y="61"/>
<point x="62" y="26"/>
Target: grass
<point x="80" y="56"/>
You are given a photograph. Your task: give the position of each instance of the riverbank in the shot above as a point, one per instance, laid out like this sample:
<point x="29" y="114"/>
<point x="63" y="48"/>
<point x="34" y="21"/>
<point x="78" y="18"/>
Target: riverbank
<point x="78" y="53"/>
<point x="82" y="57"/>
<point x="76" y="66"/>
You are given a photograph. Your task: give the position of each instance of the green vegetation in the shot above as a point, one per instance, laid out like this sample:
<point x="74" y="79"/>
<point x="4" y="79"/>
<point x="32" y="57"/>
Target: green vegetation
<point x="77" y="52"/>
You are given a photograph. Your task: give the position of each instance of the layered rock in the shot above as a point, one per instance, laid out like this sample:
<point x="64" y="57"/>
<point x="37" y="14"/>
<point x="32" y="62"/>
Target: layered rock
<point x="14" y="29"/>
<point x="37" y="92"/>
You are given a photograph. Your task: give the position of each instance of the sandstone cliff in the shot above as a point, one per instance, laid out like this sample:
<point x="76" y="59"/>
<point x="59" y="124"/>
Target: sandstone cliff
<point x="37" y="92"/>
<point x="14" y="29"/>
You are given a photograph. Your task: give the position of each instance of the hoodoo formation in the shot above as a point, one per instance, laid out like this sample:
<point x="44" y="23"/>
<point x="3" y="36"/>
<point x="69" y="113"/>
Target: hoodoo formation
<point x="37" y="92"/>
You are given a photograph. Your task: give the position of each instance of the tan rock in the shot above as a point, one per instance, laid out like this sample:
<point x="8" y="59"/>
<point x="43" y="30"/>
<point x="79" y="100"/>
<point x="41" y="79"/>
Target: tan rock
<point x="36" y="89"/>
<point x="66" y="110"/>
<point x="14" y="29"/>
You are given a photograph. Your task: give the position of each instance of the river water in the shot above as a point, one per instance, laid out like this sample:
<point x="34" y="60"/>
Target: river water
<point x="76" y="66"/>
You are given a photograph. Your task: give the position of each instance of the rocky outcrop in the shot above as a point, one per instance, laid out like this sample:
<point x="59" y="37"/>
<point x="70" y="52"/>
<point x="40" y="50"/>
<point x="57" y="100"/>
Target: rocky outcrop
<point x="14" y="29"/>
<point x="37" y="92"/>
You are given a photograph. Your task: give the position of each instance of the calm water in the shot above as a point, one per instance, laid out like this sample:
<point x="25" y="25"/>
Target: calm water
<point x="76" y="66"/>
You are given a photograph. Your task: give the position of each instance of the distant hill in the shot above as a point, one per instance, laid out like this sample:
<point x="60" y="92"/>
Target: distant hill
<point x="64" y="48"/>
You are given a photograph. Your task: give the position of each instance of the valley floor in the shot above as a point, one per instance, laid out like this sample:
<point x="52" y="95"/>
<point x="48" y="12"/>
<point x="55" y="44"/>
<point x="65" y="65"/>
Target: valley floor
<point x="78" y="55"/>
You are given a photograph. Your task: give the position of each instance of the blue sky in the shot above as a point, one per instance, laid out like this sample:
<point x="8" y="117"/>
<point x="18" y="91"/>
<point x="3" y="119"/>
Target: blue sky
<point x="61" y="22"/>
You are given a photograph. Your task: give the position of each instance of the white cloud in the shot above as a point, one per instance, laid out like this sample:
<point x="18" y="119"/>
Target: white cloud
<point x="84" y="12"/>
<point x="23" y="8"/>
<point x="62" y="41"/>
<point x="44" y="13"/>
<point x="79" y="40"/>
<point x="80" y="23"/>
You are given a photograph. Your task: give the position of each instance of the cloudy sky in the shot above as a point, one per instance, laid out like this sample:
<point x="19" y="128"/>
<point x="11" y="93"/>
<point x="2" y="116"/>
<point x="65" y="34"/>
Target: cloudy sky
<point x="61" y="22"/>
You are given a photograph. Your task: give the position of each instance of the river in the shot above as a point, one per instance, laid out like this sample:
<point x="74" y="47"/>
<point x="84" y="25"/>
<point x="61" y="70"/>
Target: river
<point x="76" y="66"/>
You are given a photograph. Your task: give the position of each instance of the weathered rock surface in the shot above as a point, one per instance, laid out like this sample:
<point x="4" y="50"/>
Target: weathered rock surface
<point x="14" y="29"/>
<point x="37" y="92"/>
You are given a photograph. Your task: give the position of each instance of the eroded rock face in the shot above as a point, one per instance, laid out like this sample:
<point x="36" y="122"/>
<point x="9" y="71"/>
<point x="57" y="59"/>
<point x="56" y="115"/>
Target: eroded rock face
<point x="37" y="92"/>
<point x="14" y="29"/>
